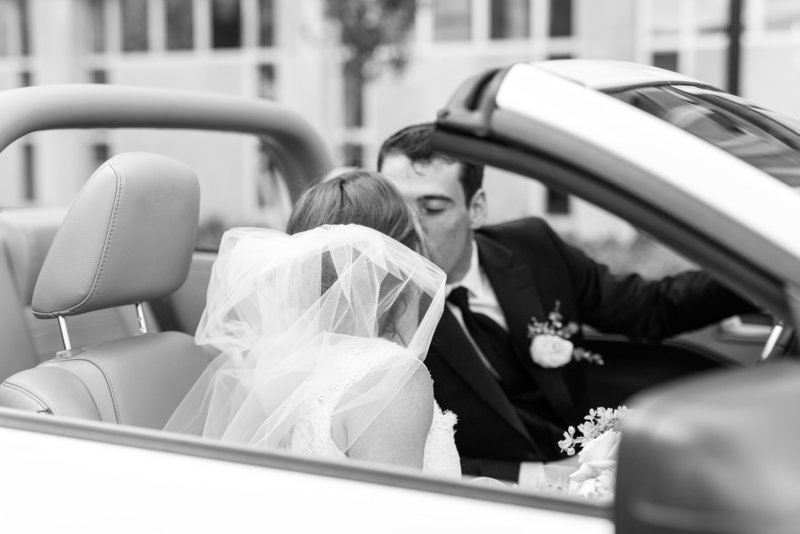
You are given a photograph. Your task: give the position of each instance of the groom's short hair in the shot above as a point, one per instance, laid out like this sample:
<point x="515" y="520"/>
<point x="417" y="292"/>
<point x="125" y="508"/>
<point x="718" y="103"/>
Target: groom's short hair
<point x="414" y="142"/>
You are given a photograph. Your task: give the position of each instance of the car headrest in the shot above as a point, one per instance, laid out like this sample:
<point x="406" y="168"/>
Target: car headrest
<point x="127" y="238"/>
<point x="25" y="237"/>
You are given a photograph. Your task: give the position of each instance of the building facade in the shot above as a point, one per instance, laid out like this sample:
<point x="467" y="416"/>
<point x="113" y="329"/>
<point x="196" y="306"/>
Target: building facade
<point x="286" y="50"/>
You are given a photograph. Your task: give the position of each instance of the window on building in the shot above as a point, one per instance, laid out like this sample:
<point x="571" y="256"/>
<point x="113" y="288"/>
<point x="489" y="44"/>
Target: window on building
<point x="666" y="17"/>
<point x="266" y="81"/>
<point x="560" y="18"/>
<point x="28" y="173"/>
<point x="266" y="23"/>
<point x="180" y="24"/>
<point x="782" y="15"/>
<point x="14" y="36"/>
<point x="6" y="28"/>
<point x="269" y="187"/>
<point x="101" y="152"/>
<point x="96" y="26"/>
<point x="24" y="27"/>
<point x="226" y="20"/>
<point x="560" y="56"/>
<point x="557" y="203"/>
<point x="25" y="78"/>
<point x="712" y="16"/>
<point x="353" y="102"/>
<point x="273" y="201"/>
<point x="452" y="20"/>
<point x="666" y="60"/>
<point x="353" y="154"/>
<point x="98" y="76"/>
<point x="134" y="25"/>
<point x="509" y="19"/>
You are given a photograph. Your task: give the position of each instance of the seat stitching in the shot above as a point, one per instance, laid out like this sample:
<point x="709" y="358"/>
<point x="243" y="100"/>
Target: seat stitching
<point x="112" y="228"/>
<point x="88" y="391"/>
<point x="26" y="392"/>
<point x="108" y="384"/>
<point x="106" y="244"/>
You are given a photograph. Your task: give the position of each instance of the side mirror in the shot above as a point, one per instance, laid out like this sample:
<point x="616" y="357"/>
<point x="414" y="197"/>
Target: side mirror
<point x="715" y="453"/>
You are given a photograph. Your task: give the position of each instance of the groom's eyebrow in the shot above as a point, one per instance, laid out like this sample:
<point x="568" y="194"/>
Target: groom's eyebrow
<point x="426" y="198"/>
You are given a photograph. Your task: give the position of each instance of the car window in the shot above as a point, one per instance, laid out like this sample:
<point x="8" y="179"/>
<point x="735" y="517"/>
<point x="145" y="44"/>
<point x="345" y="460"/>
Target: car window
<point x="763" y="139"/>
<point x="601" y="234"/>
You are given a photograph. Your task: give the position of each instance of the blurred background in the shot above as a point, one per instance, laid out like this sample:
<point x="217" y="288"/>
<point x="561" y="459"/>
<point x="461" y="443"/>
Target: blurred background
<point x="358" y="70"/>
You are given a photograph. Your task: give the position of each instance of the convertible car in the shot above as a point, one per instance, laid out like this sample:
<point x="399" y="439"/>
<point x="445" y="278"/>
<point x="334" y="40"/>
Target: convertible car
<point x="99" y="306"/>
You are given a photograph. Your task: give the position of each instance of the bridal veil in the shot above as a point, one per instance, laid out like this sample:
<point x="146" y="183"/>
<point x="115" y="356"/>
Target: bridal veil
<point x="286" y="312"/>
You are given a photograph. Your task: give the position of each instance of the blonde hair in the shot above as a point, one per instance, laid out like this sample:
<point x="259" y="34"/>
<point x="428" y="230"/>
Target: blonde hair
<point x="358" y="197"/>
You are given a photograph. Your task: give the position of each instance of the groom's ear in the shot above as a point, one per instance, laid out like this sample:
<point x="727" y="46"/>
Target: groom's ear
<point x="477" y="209"/>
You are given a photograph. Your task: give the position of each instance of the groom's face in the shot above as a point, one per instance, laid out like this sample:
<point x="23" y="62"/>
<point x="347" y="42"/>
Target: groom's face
<point x="447" y="218"/>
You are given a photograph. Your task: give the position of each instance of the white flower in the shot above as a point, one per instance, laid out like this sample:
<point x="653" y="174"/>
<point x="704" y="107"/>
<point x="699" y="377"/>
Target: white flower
<point x="551" y="351"/>
<point x="598" y="462"/>
<point x="602" y="448"/>
<point x="601" y="485"/>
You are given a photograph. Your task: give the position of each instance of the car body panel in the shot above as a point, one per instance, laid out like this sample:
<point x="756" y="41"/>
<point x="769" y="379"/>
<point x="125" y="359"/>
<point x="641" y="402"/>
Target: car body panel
<point x="614" y="75"/>
<point x="147" y="481"/>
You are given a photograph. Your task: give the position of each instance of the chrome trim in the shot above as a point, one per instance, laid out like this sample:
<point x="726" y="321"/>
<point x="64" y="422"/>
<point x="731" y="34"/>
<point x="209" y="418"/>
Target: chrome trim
<point x="62" y="327"/>
<point x="769" y="346"/>
<point x="734" y="326"/>
<point x="140" y="318"/>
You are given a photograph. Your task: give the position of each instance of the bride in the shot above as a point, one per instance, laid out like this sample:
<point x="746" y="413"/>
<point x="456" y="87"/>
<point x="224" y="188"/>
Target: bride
<point x="322" y="335"/>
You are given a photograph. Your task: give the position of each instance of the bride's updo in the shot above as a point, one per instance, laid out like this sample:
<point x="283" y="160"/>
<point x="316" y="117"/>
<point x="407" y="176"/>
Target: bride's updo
<point x="366" y="198"/>
<point x="357" y="197"/>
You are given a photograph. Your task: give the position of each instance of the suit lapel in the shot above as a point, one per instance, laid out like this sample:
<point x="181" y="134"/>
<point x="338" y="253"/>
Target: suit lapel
<point x="452" y="346"/>
<point x="514" y="288"/>
<point x="519" y="299"/>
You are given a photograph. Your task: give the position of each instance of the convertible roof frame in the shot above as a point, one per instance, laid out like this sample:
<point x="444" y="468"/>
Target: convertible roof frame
<point x="303" y="155"/>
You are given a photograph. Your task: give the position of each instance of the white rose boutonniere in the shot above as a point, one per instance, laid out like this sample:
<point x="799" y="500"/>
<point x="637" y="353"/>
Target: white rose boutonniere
<point x="550" y="342"/>
<point x="550" y="350"/>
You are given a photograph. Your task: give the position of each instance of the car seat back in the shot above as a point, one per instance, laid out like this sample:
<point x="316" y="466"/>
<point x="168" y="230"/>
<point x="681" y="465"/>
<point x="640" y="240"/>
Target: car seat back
<point x="127" y="238"/>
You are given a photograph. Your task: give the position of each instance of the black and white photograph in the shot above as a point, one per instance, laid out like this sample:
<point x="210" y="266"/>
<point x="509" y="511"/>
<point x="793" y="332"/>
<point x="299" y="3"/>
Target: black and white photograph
<point x="400" y="266"/>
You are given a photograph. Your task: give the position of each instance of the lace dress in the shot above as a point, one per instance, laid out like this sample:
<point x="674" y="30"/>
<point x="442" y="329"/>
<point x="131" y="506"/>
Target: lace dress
<point x="311" y="434"/>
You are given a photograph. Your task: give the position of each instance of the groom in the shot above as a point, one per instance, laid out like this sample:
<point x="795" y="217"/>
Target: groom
<point x="512" y="410"/>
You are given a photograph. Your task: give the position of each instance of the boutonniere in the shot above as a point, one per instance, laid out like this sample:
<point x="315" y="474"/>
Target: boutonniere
<point x="550" y="342"/>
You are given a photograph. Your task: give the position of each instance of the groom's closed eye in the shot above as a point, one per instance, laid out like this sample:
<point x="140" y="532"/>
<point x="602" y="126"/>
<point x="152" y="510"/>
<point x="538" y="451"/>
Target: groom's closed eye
<point x="433" y="205"/>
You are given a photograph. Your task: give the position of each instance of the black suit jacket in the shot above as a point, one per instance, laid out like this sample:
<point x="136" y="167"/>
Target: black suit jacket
<point x="530" y="269"/>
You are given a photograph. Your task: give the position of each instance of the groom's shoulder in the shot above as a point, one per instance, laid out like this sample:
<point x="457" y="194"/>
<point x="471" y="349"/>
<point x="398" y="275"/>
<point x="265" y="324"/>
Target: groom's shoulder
<point x="527" y="228"/>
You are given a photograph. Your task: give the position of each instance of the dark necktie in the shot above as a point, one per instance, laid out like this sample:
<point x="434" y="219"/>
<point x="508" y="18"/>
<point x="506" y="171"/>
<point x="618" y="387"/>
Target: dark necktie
<point x="493" y="342"/>
<point x="497" y="347"/>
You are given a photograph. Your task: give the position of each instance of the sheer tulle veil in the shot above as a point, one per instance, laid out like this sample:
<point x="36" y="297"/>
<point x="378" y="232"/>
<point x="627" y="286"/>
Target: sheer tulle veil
<point x="287" y="313"/>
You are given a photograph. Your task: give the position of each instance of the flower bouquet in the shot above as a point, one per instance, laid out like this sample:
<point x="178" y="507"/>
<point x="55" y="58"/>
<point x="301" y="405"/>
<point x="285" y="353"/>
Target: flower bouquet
<point x="598" y="443"/>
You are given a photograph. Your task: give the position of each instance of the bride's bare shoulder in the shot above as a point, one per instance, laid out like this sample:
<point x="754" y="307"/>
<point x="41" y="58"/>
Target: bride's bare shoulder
<point x="398" y="433"/>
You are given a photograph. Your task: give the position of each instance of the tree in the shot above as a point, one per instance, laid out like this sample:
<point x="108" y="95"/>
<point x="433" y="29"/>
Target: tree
<point x="374" y="35"/>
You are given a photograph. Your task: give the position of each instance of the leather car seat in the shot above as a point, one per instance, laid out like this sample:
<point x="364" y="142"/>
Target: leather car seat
<point x="128" y="238"/>
<point x="25" y="237"/>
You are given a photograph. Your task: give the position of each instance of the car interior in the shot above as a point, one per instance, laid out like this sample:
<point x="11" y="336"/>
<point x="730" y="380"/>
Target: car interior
<point x="25" y="238"/>
<point x="102" y="373"/>
<point x="128" y="238"/>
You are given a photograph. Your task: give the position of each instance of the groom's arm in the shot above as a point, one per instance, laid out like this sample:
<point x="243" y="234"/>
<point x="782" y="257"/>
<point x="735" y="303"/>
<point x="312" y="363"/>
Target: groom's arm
<point x="647" y="309"/>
